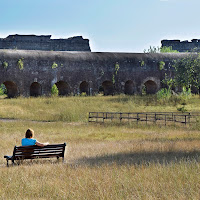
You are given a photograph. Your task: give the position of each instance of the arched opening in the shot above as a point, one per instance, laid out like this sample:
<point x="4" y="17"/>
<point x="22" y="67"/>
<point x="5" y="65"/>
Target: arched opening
<point x="108" y="88"/>
<point x="129" y="87"/>
<point x="63" y="88"/>
<point x="194" y="90"/>
<point x="11" y="88"/>
<point x="84" y="87"/>
<point x="35" y="89"/>
<point x="150" y="87"/>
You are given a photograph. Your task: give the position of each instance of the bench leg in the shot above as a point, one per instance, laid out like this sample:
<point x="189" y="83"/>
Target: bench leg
<point x="7" y="163"/>
<point x="13" y="162"/>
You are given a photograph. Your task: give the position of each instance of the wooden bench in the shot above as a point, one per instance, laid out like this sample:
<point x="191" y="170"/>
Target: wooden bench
<point x="34" y="152"/>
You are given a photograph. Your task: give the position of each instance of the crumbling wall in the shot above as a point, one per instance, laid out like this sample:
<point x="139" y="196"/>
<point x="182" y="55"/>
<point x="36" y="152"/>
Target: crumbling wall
<point x="44" y="42"/>
<point x="34" y="73"/>
<point x="182" y="46"/>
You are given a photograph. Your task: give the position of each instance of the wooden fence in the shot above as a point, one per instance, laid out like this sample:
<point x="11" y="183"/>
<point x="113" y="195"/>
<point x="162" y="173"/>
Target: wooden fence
<point x="155" y="117"/>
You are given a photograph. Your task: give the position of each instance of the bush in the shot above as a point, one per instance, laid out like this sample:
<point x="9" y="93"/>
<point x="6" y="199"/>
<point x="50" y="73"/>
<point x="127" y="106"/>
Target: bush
<point x="3" y="89"/>
<point x="54" y="90"/>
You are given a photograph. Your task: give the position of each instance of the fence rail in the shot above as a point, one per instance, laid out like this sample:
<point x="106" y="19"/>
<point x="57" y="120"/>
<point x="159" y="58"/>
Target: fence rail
<point x="155" y="117"/>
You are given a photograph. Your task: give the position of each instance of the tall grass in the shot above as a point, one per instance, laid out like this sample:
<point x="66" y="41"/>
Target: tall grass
<point x="72" y="109"/>
<point x="102" y="161"/>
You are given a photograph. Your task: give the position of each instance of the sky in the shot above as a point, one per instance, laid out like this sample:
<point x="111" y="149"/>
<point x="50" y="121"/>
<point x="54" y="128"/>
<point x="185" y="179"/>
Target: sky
<point x="110" y="25"/>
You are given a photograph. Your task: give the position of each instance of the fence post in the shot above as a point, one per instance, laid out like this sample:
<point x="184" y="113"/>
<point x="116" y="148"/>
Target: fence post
<point x="89" y="117"/>
<point x="146" y="118"/>
<point x="185" y="119"/>
<point x="165" y="120"/>
<point x="137" y="117"/>
<point x="155" y="118"/>
<point x="189" y="118"/>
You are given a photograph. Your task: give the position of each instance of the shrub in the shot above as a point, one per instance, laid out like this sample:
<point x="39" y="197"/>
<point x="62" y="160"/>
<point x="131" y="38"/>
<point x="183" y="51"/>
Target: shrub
<point x="20" y="63"/>
<point x="164" y="93"/>
<point x="161" y="65"/>
<point x="5" y="64"/>
<point x="54" y="90"/>
<point x="54" y="65"/>
<point x="3" y="89"/>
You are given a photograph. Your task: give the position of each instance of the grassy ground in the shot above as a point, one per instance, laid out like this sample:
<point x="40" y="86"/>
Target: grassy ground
<point x="73" y="109"/>
<point x="103" y="161"/>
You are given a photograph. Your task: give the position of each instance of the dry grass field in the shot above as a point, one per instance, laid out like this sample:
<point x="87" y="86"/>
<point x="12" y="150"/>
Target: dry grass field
<point x="103" y="161"/>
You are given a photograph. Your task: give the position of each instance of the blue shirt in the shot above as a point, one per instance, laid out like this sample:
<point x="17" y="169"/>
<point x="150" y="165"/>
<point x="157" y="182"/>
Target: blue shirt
<point x="28" y="141"/>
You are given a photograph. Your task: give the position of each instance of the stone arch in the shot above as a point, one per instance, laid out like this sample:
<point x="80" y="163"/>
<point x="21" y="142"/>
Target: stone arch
<point x="12" y="90"/>
<point x="151" y="87"/>
<point x="84" y="87"/>
<point x="108" y="88"/>
<point x="35" y="89"/>
<point x="129" y="87"/>
<point x="63" y="88"/>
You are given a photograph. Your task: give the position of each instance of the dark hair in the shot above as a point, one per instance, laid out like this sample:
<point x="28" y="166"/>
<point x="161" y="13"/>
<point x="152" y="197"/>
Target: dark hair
<point x="29" y="133"/>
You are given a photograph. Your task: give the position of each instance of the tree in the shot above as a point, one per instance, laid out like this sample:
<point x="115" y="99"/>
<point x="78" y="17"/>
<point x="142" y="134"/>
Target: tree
<point x="186" y="72"/>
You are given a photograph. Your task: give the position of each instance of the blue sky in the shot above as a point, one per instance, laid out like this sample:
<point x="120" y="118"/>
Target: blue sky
<point x="111" y="25"/>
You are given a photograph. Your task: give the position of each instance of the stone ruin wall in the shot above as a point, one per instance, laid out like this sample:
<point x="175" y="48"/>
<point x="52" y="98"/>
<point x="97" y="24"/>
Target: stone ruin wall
<point x="78" y="72"/>
<point x="183" y="46"/>
<point x="44" y="42"/>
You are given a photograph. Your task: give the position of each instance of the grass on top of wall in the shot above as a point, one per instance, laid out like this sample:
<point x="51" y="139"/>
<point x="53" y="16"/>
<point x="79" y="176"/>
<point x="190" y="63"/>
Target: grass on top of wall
<point x="75" y="109"/>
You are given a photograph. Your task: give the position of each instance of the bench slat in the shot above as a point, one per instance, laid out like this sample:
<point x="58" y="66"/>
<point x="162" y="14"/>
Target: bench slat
<point x="38" y="156"/>
<point x="38" y="147"/>
<point x="37" y="152"/>
<point x="41" y="150"/>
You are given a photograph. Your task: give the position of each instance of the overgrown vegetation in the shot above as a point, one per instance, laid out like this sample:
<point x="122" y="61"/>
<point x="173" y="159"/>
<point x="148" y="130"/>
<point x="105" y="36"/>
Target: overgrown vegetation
<point x="161" y="65"/>
<point x="3" y="89"/>
<point x="5" y="65"/>
<point x="153" y="49"/>
<point x="116" y="69"/>
<point x="20" y="63"/>
<point x="142" y="63"/>
<point x="54" y="90"/>
<point x="166" y="95"/>
<point x="188" y="72"/>
<point x="54" y="65"/>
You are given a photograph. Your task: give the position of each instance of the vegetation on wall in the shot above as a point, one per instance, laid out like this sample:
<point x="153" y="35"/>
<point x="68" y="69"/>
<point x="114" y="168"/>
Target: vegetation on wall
<point x="20" y="63"/>
<point x="116" y="69"/>
<point x="54" y="65"/>
<point x="161" y="65"/>
<point x="142" y="63"/>
<point x="54" y="90"/>
<point x="186" y="73"/>
<point x="3" y="89"/>
<point x="5" y="65"/>
<point x="153" y="49"/>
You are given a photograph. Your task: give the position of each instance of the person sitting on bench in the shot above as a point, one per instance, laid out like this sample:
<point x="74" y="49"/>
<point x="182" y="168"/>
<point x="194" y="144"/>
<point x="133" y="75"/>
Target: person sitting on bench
<point x="29" y="140"/>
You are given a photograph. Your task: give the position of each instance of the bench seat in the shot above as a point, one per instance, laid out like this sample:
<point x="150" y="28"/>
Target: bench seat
<point x="35" y="152"/>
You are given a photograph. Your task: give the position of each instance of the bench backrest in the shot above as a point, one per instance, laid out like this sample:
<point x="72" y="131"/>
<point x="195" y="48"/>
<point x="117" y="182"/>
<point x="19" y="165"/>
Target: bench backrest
<point x="32" y="152"/>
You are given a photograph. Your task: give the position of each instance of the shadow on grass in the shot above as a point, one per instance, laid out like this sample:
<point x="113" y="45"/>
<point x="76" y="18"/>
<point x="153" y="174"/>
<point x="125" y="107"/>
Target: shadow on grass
<point x="146" y="158"/>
